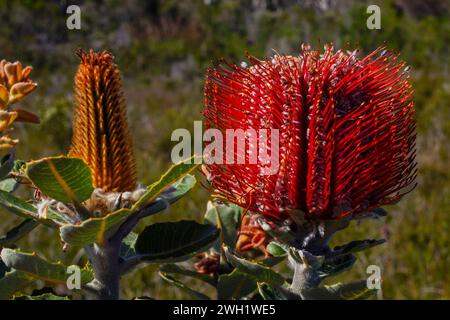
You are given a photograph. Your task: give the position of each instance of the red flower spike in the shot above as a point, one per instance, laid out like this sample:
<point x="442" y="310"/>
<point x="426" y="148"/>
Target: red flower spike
<point x="346" y="131"/>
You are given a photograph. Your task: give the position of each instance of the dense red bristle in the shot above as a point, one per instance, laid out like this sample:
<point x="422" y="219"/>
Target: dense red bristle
<point x="346" y="131"/>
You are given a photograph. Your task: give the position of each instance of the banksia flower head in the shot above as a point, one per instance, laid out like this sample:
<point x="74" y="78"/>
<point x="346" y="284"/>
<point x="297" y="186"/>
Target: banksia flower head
<point x="100" y="131"/>
<point x="346" y="131"/>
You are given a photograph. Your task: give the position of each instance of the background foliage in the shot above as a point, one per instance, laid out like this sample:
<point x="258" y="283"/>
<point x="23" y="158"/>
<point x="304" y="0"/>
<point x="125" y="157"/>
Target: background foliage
<point x="163" y="48"/>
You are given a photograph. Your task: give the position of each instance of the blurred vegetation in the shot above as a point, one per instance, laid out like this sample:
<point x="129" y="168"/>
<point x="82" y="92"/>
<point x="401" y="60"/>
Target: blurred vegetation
<point x="163" y="49"/>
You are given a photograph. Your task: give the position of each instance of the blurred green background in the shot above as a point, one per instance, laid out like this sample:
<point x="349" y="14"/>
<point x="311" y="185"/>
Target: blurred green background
<point x="163" y="49"/>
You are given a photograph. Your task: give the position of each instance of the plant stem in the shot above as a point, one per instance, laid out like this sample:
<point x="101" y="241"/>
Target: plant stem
<point x="105" y="263"/>
<point x="307" y="255"/>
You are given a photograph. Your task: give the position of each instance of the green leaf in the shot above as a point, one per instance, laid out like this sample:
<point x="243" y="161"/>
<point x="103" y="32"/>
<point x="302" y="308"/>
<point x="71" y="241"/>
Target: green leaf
<point x="37" y="267"/>
<point x="355" y="246"/>
<point x="18" y="232"/>
<point x="176" y="172"/>
<point x="13" y="281"/>
<point x="174" y="241"/>
<point x="350" y="291"/>
<point x="277" y="249"/>
<point x="27" y="210"/>
<point x="255" y="269"/>
<point x="45" y="296"/>
<point x="171" y="194"/>
<point x="61" y="178"/>
<point x="235" y="285"/>
<point x="9" y="184"/>
<point x="185" y="288"/>
<point x="93" y="229"/>
<point x="227" y="218"/>
<point x="269" y="293"/>
<point x="335" y="266"/>
<point x="177" y="269"/>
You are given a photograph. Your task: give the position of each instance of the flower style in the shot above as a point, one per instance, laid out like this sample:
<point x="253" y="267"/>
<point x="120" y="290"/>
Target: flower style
<point x="346" y="131"/>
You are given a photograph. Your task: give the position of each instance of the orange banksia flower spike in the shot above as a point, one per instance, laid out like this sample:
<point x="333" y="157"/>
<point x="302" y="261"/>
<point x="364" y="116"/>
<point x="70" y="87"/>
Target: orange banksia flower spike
<point x="101" y="136"/>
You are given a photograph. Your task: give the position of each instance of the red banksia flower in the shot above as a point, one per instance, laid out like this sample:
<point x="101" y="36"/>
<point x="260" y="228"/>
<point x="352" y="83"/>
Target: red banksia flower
<point x="100" y="130"/>
<point x="346" y="131"/>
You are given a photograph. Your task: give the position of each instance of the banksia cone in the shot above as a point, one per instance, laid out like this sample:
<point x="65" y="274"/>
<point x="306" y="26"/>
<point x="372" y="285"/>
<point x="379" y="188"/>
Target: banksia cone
<point x="100" y="131"/>
<point x="346" y="131"/>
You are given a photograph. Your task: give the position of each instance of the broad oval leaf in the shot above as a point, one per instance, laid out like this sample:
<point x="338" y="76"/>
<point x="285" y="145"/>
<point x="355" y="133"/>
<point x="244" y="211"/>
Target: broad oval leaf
<point x="38" y="267"/>
<point x="174" y="241"/>
<point x="61" y="178"/>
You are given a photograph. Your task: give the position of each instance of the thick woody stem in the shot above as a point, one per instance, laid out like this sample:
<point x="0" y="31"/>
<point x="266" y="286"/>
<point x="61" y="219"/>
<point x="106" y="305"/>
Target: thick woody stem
<point x="307" y="254"/>
<point x="105" y="264"/>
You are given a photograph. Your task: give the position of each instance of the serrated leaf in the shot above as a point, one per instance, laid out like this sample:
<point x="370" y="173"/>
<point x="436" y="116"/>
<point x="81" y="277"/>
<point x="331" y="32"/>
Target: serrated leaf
<point x="350" y="291"/>
<point x="45" y="296"/>
<point x="174" y="241"/>
<point x="255" y="269"/>
<point x="227" y="218"/>
<point x="38" y="267"/>
<point x="235" y="285"/>
<point x="175" y="173"/>
<point x="27" y="210"/>
<point x="93" y="229"/>
<point x="18" y="232"/>
<point x="177" y="269"/>
<point x="195" y="294"/>
<point x="61" y="178"/>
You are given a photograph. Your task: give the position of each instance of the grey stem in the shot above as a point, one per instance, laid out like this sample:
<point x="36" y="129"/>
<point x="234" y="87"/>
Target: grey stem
<point x="105" y="264"/>
<point x="307" y="254"/>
